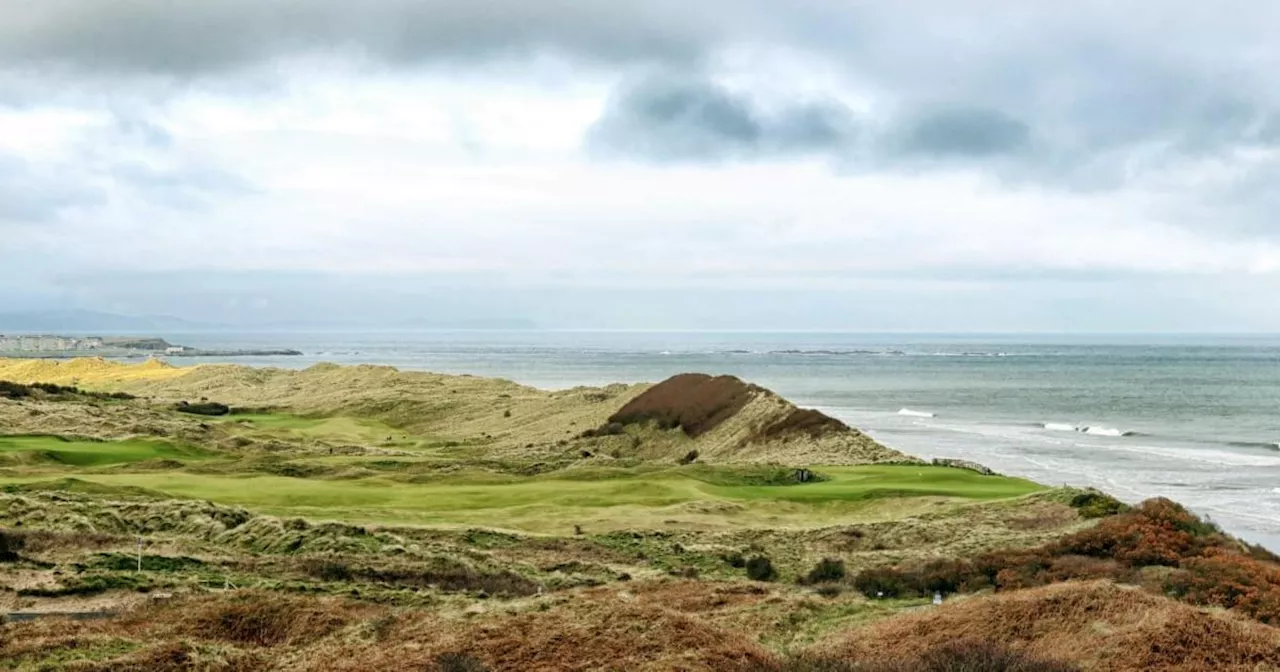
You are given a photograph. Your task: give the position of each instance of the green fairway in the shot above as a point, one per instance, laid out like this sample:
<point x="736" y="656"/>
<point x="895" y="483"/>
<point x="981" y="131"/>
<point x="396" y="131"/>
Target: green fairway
<point x="83" y="453"/>
<point x="643" y="499"/>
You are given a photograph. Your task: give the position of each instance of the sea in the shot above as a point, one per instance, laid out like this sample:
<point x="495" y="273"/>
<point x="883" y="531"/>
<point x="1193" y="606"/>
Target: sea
<point x="1195" y="418"/>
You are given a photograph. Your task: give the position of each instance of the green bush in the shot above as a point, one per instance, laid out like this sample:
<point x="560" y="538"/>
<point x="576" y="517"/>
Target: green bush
<point x="211" y="408"/>
<point x="886" y="582"/>
<point x="760" y="568"/>
<point x="1097" y="505"/>
<point x="10" y="544"/>
<point x="828" y="570"/>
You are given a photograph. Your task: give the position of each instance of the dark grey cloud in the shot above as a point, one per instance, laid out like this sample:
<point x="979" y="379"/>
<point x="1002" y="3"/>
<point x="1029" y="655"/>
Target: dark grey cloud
<point x="682" y="118"/>
<point x="1083" y="95"/>
<point x="961" y="133"/>
<point x="158" y="37"/>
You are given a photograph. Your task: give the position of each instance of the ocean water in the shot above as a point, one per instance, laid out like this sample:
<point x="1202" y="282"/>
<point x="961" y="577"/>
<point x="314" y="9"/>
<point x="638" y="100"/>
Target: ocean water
<point x="1192" y="418"/>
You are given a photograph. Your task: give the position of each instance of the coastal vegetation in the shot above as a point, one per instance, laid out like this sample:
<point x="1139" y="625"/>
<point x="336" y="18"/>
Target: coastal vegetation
<point x="362" y="518"/>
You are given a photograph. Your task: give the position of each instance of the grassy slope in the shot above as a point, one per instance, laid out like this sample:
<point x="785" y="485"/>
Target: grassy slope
<point x="446" y="457"/>
<point x="80" y="453"/>
<point x="550" y="503"/>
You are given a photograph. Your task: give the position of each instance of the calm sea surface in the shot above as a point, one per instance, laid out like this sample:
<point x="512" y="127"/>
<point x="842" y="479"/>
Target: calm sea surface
<point x="1193" y="418"/>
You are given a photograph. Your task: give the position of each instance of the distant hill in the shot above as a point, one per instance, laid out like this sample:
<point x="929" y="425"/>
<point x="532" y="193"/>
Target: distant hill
<point x="514" y="323"/>
<point x="82" y="322"/>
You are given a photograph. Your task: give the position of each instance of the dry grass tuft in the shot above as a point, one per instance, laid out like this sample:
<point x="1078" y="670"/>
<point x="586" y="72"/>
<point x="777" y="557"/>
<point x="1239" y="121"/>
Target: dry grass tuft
<point x="259" y="619"/>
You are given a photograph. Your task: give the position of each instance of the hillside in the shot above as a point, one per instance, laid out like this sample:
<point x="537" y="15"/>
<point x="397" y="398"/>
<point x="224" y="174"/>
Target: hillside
<point x="724" y="419"/>
<point x="361" y="518"/>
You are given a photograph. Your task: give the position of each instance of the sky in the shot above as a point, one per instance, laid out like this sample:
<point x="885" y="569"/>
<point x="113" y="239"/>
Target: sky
<point x="930" y="165"/>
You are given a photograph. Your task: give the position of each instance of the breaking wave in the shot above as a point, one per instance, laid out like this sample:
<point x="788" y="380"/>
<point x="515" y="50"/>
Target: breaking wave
<point x="1105" y="431"/>
<point x="1086" y="429"/>
<point x="915" y="414"/>
<point x="1267" y="445"/>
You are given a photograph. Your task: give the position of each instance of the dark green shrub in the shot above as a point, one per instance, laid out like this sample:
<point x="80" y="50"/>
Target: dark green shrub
<point x="828" y="570"/>
<point x="735" y="559"/>
<point x="760" y="568"/>
<point x="886" y="583"/>
<point x="10" y="544"/>
<point x="1097" y="505"/>
<point x="211" y="408"/>
<point x="689" y="457"/>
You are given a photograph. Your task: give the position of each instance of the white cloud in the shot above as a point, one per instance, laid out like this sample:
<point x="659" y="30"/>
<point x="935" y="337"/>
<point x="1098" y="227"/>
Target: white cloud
<point x="348" y="165"/>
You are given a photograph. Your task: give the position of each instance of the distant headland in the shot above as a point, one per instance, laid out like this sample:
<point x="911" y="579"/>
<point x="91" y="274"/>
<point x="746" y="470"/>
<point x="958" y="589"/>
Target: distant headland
<point x="53" y="346"/>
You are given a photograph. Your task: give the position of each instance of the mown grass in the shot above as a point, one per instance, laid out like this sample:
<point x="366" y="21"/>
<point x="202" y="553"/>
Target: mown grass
<point x="642" y="499"/>
<point x="86" y="453"/>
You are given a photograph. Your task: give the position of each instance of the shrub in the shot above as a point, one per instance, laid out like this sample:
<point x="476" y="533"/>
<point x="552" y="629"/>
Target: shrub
<point x="735" y="559"/>
<point x="689" y="457"/>
<point x="445" y="575"/>
<point x="10" y="544"/>
<point x="828" y="570"/>
<point x="1207" y="567"/>
<point x="459" y="662"/>
<point x="945" y="576"/>
<point x="886" y="582"/>
<point x="760" y="568"/>
<point x="983" y="656"/>
<point x="261" y="620"/>
<point x="962" y="656"/>
<point x="14" y="391"/>
<point x="1230" y="581"/>
<point x="1097" y="505"/>
<point x="211" y="408"/>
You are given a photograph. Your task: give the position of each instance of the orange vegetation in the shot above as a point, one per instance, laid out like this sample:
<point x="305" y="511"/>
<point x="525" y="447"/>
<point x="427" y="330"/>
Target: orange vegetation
<point x="1159" y="545"/>
<point x="1096" y="625"/>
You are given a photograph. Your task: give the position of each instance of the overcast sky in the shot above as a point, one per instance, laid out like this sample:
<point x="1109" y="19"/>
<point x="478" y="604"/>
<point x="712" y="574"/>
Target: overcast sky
<point x="931" y="165"/>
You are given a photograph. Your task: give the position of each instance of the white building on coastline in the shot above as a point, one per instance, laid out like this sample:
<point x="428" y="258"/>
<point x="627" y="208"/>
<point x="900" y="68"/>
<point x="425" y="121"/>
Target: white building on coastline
<point x="48" y="343"/>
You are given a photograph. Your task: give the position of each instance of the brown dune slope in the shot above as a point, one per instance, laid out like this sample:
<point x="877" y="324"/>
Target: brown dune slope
<point x="731" y="419"/>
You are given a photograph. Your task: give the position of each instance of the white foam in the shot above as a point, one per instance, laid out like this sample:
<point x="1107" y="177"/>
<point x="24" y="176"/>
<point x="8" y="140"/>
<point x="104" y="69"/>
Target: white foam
<point x="1103" y="431"/>
<point x="1060" y="427"/>
<point x="915" y="414"/>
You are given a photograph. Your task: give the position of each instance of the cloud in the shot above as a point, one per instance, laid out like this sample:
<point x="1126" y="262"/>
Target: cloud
<point x="32" y="194"/>
<point x="808" y="144"/>
<point x="961" y="133"/>
<point x="154" y="37"/>
<point x="681" y="118"/>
